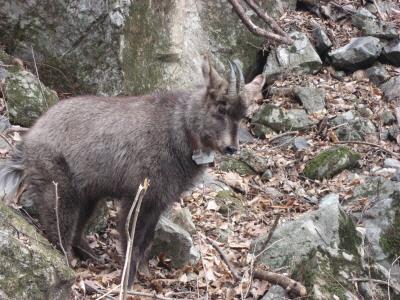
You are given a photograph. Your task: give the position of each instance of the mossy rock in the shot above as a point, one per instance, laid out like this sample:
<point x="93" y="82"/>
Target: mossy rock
<point x="27" y="98"/>
<point x="229" y="202"/>
<point x="331" y="162"/>
<point x="280" y="120"/>
<point x="230" y="164"/>
<point x="390" y="238"/>
<point x="325" y="274"/>
<point x="260" y="130"/>
<point x="30" y="268"/>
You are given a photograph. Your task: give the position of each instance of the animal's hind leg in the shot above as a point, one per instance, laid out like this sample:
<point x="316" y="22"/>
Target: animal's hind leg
<point x="58" y="218"/>
<point x="51" y="189"/>
<point x="80" y="245"/>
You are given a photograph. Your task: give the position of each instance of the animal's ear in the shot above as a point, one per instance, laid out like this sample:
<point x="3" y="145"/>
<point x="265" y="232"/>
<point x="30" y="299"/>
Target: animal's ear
<point x="216" y="85"/>
<point x="253" y="89"/>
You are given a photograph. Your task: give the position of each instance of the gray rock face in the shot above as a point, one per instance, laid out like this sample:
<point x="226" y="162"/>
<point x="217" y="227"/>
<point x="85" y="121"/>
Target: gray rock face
<point x="30" y="268"/>
<point x="280" y="120"/>
<point x="123" y="46"/>
<point x="331" y="162"/>
<point x="175" y="242"/>
<point x="377" y="74"/>
<point x="387" y="117"/>
<point x="298" y="238"/>
<point x="355" y="128"/>
<point x="256" y="162"/>
<point x="276" y="292"/>
<point x="300" y="143"/>
<point x="371" y="26"/>
<point x="382" y="224"/>
<point x="27" y="97"/>
<point x="300" y="58"/>
<point x="359" y="53"/>
<point x="277" y="8"/>
<point x="313" y="99"/>
<point x="391" y="163"/>
<point x="183" y="218"/>
<point x="321" y="40"/>
<point x="391" y="53"/>
<point x="391" y="88"/>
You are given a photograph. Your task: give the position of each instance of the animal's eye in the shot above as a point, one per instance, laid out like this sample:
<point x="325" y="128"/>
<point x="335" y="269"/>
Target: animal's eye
<point x="221" y="110"/>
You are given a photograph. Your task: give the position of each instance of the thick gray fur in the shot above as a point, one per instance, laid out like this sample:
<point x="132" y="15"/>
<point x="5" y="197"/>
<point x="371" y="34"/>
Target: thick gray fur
<point x="97" y="147"/>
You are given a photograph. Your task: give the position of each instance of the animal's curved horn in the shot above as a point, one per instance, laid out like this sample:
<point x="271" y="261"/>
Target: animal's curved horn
<point x="241" y="78"/>
<point x="232" y="81"/>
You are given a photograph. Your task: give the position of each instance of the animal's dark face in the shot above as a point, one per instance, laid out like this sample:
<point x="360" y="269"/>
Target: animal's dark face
<point x="225" y="104"/>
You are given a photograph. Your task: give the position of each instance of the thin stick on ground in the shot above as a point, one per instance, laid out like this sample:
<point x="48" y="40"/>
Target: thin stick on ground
<point x="58" y="223"/>
<point x="369" y="144"/>
<point x="389" y="277"/>
<point x="231" y="267"/>
<point x="94" y="289"/>
<point x="131" y="235"/>
<point x="271" y="232"/>
<point x="290" y="285"/>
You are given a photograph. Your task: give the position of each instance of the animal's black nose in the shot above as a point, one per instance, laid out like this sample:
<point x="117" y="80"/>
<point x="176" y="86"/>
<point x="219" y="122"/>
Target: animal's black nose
<point x="230" y="150"/>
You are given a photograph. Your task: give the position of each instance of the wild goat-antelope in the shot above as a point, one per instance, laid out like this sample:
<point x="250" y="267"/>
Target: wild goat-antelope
<point x="98" y="147"/>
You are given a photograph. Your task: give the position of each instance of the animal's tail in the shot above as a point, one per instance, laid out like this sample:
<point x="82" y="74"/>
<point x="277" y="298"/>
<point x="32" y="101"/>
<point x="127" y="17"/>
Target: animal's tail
<point x="11" y="173"/>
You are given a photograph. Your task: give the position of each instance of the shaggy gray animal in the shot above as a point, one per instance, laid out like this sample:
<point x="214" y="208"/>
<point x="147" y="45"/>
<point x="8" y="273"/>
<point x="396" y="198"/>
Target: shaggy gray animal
<point x="97" y="147"/>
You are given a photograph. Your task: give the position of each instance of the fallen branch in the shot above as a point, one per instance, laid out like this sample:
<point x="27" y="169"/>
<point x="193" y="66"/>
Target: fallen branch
<point x="291" y="286"/>
<point x="254" y="28"/>
<point x="369" y="144"/>
<point x="231" y="267"/>
<point x="271" y="232"/>
<point x="130" y="236"/>
<point x="267" y="19"/>
<point x="58" y="223"/>
<point x="378" y="9"/>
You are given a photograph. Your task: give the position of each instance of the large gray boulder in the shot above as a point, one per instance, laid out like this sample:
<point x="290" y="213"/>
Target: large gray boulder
<point x="30" y="268"/>
<point x="300" y="58"/>
<point x="391" y="53"/>
<point x="175" y="242"/>
<point x="372" y="26"/>
<point x="381" y="220"/>
<point x="359" y="53"/>
<point x="123" y="46"/>
<point x="391" y="89"/>
<point x="280" y="120"/>
<point x="295" y="240"/>
<point x="27" y="97"/>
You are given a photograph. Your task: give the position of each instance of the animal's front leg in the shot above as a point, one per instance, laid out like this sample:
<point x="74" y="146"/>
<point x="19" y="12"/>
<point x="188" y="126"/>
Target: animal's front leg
<point x="144" y="234"/>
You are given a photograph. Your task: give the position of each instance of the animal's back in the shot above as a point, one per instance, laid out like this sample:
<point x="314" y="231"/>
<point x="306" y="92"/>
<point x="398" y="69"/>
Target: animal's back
<point x="111" y="144"/>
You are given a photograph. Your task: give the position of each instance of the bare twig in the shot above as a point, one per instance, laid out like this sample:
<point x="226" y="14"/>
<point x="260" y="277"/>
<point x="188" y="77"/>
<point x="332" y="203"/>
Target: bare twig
<point x="15" y="129"/>
<point x="383" y="282"/>
<point x="254" y="28"/>
<point x="267" y="19"/>
<point x="378" y="9"/>
<point x="282" y="135"/>
<point x="287" y="283"/>
<point x="131" y="235"/>
<point x="231" y="267"/>
<point x="98" y="290"/>
<point x="6" y="140"/>
<point x="372" y="145"/>
<point x="389" y="277"/>
<point x="58" y="223"/>
<point x="271" y="232"/>
<point x="37" y="75"/>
